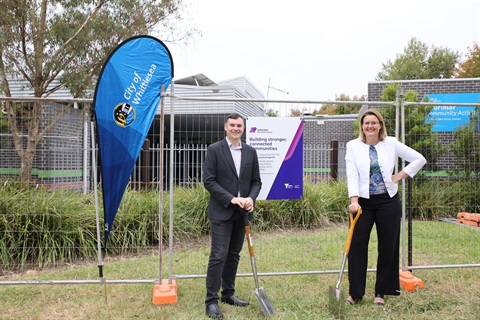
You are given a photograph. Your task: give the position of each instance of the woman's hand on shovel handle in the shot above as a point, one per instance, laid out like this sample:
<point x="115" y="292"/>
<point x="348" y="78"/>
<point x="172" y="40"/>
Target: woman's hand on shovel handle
<point x="354" y="206"/>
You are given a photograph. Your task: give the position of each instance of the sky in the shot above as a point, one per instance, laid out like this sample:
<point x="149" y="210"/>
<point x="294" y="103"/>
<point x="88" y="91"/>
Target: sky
<point x="315" y="50"/>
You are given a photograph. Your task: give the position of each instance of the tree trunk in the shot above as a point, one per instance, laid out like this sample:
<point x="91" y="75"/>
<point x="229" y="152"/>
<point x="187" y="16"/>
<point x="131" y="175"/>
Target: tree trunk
<point x="27" y="165"/>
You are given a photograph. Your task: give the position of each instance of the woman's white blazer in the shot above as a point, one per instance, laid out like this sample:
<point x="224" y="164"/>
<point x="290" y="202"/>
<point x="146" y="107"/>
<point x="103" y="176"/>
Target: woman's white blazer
<point x="389" y="151"/>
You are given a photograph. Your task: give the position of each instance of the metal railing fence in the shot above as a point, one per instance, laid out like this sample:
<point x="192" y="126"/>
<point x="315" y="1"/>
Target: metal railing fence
<point x="59" y="164"/>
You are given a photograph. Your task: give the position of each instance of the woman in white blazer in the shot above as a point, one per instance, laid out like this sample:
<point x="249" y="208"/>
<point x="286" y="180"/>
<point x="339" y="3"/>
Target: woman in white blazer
<point x="372" y="186"/>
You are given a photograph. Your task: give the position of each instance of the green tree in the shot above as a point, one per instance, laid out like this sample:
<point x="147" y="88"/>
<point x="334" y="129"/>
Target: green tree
<point x="3" y="129"/>
<point x="295" y="112"/>
<point x="44" y="40"/>
<point x="418" y="62"/>
<point x="272" y="113"/>
<point x="466" y="146"/>
<point x="343" y="108"/>
<point x="418" y="132"/>
<point x="470" y="68"/>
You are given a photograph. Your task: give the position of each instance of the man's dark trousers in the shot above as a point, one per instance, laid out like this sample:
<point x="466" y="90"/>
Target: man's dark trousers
<point x="227" y="240"/>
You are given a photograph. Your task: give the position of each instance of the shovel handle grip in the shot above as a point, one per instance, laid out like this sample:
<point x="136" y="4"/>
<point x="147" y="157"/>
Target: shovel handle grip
<point x="353" y="221"/>
<point x="245" y="218"/>
<point x="248" y="235"/>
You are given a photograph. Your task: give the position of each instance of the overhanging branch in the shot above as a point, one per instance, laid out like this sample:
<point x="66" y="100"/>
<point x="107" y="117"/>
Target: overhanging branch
<point x="67" y="43"/>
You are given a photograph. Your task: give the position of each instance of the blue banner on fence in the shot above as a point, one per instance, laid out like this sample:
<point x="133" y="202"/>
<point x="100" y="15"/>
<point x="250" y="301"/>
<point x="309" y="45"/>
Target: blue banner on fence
<point x="449" y="118"/>
<point x="126" y="99"/>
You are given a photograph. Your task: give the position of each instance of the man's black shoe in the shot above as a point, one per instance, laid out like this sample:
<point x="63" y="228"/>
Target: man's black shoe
<point x="213" y="311"/>
<point x="234" y="301"/>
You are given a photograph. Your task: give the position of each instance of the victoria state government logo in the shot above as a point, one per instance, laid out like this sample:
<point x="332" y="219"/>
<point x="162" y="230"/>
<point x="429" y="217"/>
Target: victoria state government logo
<point x="124" y="114"/>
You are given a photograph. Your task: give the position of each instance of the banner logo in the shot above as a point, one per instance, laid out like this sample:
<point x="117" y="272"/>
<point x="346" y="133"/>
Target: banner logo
<point x="124" y="114"/>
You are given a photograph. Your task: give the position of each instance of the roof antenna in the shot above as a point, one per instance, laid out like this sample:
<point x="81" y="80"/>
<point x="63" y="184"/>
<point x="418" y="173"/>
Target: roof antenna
<point x="273" y="88"/>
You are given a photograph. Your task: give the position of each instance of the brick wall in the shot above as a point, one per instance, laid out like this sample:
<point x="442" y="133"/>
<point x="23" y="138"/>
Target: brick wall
<point x="423" y="87"/>
<point x="320" y="131"/>
<point x="317" y="138"/>
<point x="59" y="154"/>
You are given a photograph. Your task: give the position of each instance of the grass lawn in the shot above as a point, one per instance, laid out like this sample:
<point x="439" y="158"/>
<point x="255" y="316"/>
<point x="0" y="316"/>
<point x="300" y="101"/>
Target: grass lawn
<point x="450" y="293"/>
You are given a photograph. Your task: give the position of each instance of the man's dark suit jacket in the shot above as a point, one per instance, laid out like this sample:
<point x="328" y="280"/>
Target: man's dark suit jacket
<point x="222" y="182"/>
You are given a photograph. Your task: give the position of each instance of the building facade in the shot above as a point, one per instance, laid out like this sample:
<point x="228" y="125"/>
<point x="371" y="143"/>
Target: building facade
<point x="447" y="118"/>
<point x="200" y="107"/>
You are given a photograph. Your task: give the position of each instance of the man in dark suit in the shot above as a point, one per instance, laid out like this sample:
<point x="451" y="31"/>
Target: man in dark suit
<point x="232" y="177"/>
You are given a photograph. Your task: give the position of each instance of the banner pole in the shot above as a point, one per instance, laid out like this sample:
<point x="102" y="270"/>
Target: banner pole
<point x="172" y="140"/>
<point x="160" y="191"/>
<point x="97" y="216"/>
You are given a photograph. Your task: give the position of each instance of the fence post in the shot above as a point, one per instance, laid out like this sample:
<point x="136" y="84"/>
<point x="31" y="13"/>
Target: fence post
<point x="410" y="218"/>
<point x="146" y="164"/>
<point x="334" y="159"/>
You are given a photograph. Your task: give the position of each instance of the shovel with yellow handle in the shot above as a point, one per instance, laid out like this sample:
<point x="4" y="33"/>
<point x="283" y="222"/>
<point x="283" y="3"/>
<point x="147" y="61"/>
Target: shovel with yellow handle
<point x="337" y="296"/>
<point x="259" y="292"/>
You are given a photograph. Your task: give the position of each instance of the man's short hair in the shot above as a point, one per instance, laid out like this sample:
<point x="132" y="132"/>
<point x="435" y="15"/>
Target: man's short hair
<point x="234" y="116"/>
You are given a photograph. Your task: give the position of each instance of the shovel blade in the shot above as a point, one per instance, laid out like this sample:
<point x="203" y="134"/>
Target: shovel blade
<point x="337" y="302"/>
<point x="263" y="301"/>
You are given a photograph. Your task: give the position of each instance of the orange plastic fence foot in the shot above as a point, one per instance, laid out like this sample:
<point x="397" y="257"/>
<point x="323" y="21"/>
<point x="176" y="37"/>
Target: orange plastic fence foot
<point x="409" y="282"/>
<point x="471" y="219"/>
<point x="165" y="293"/>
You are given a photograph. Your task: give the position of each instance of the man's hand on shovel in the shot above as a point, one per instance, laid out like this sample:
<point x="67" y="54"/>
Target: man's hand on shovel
<point x="244" y="203"/>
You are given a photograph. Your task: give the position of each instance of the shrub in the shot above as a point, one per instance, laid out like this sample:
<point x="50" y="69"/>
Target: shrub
<point x="49" y="228"/>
